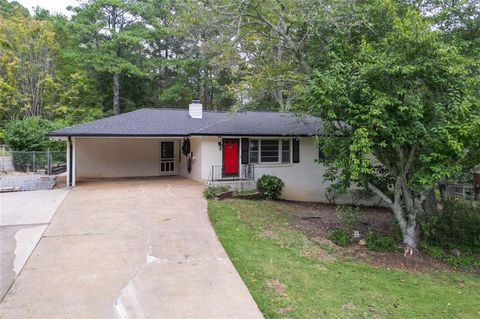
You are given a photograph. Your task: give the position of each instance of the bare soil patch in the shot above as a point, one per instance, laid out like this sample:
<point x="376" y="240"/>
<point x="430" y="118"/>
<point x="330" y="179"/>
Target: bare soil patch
<point x="316" y="220"/>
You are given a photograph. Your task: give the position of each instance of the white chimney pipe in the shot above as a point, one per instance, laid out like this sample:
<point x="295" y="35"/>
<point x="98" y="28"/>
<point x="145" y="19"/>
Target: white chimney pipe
<point x="195" y="109"/>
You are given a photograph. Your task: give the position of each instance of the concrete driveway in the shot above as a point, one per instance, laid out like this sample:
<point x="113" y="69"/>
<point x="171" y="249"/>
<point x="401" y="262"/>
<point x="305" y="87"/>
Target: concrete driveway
<point x="137" y="248"/>
<point x="24" y="216"/>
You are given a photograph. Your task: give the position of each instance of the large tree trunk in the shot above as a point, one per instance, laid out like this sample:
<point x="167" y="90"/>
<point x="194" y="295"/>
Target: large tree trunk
<point x="406" y="206"/>
<point x="116" y="93"/>
<point x="408" y="226"/>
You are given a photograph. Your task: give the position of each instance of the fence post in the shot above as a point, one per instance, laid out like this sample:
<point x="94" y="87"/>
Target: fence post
<point x="3" y="158"/>
<point x="49" y="162"/>
<point x="33" y="164"/>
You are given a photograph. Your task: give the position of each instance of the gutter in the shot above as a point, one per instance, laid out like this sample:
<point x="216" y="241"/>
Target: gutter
<point x="176" y="135"/>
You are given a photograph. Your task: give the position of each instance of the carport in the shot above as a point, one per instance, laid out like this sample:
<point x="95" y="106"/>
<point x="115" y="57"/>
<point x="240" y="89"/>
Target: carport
<point x="122" y="156"/>
<point x="142" y="143"/>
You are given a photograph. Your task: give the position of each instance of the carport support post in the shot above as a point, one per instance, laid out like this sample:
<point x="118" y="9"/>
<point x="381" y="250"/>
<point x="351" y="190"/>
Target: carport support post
<point x="70" y="163"/>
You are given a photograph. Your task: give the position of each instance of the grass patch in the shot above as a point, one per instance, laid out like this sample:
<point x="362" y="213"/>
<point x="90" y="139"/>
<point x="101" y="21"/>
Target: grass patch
<point x="289" y="276"/>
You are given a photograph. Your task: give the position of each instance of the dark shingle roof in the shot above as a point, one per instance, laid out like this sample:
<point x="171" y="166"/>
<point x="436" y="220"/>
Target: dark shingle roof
<point x="177" y="122"/>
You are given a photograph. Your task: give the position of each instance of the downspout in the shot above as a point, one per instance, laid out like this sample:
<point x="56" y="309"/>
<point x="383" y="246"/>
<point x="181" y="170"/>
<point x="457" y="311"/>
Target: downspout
<point x="70" y="162"/>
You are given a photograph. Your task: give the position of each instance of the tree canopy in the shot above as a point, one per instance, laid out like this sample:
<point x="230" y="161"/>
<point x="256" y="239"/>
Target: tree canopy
<point x="401" y="106"/>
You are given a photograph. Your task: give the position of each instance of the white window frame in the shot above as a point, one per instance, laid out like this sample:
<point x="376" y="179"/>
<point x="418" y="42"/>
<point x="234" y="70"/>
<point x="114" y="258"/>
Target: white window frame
<point x="259" y="152"/>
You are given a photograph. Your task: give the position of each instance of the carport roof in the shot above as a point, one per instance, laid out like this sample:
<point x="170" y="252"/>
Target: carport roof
<point x="177" y="122"/>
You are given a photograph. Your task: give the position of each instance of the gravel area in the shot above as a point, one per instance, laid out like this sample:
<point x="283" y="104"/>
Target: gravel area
<point x="28" y="183"/>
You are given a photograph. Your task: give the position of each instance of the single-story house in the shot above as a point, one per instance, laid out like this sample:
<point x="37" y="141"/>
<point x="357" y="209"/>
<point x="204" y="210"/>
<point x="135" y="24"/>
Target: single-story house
<point x="233" y="148"/>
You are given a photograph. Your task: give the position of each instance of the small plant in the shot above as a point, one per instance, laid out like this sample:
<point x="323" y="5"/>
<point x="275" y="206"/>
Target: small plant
<point x="270" y="186"/>
<point x="431" y="250"/>
<point x="212" y="192"/>
<point x="348" y="216"/>
<point x="464" y="261"/>
<point x="208" y="193"/>
<point x="377" y="242"/>
<point x="340" y="236"/>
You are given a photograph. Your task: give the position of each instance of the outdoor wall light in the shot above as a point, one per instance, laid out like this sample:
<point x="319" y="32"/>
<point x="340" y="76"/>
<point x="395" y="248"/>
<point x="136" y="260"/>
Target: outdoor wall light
<point x="220" y="146"/>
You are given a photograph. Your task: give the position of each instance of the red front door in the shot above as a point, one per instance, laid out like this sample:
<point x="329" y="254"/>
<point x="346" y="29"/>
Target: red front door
<point x="230" y="157"/>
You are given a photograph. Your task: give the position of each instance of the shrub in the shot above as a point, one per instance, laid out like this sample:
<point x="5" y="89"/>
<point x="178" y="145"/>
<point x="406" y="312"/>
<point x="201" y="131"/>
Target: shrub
<point x="29" y="134"/>
<point x="208" y="193"/>
<point x="270" y="186"/>
<point x="339" y="236"/>
<point x="378" y="242"/>
<point x="348" y="216"/>
<point x="458" y="225"/>
<point x="467" y="258"/>
<point x="431" y="250"/>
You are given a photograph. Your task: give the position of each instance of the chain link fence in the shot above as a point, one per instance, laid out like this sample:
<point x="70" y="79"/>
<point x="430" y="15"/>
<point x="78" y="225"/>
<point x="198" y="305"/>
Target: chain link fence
<point x="461" y="191"/>
<point x="38" y="162"/>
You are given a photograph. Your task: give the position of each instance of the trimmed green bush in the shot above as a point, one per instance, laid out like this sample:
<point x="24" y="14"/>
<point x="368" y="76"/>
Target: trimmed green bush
<point x="377" y="242"/>
<point x="340" y="236"/>
<point x="270" y="186"/>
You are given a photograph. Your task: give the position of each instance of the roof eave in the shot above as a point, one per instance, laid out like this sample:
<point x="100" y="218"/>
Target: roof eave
<point x="52" y="134"/>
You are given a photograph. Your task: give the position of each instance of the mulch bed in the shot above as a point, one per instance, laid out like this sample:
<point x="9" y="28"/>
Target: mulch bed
<point x="315" y="220"/>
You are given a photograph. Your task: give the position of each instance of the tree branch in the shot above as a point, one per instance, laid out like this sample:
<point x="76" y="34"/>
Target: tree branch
<point x="380" y="193"/>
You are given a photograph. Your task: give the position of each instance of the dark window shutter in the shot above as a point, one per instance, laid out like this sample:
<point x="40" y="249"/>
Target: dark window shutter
<point x="245" y="147"/>
<point x="296" y="150"/>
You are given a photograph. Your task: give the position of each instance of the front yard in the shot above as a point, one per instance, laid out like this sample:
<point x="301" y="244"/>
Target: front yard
<point x="291" y="276"/>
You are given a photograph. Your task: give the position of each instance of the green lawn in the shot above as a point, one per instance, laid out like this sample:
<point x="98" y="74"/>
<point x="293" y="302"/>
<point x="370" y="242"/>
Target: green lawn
<point x="287" y="279"/>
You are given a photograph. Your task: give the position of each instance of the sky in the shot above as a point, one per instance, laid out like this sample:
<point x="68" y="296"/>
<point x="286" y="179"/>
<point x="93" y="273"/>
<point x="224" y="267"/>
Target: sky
<point x="54" y="6"/>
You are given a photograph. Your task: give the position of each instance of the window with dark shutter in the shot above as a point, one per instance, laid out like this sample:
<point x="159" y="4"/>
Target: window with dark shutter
<point x="245" y="147"/>
<point x="296" y="150"/>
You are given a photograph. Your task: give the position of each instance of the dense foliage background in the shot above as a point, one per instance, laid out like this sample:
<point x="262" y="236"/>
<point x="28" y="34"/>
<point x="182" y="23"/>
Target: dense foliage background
<point x="118" y="55"/>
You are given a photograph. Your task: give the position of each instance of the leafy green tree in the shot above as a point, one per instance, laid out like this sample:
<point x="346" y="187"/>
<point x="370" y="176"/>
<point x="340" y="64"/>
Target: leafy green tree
<point x="111" y="35"/>
<point x="13" y="8"/>
<point x="399" y="106"/>
<point x="265" y="43"/>
<point x="27" y="49"/>
<point x="39" y="79"/>
<point x="29" y="134"/>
